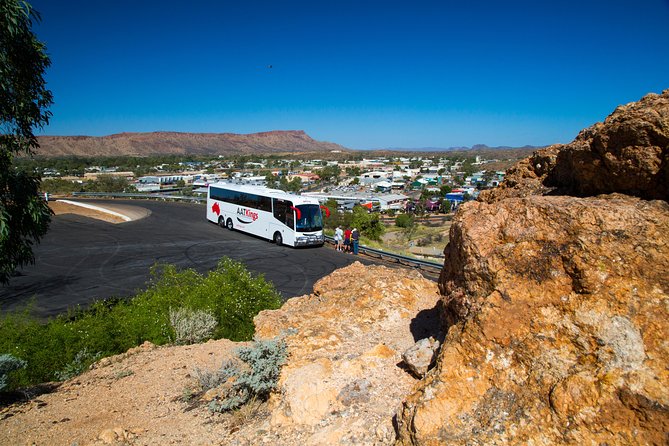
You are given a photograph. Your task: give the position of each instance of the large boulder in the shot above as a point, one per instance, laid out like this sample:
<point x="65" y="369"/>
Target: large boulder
<point x="558" y="311"/>
<point x="556" y="298"/>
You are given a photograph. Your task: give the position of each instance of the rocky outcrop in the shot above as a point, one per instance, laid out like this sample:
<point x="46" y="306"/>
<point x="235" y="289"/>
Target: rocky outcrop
<point x="627" y="153"/>
<point x="557" y="306"/>
<point x="143" y="144"/>
<point x="345" y="378"/>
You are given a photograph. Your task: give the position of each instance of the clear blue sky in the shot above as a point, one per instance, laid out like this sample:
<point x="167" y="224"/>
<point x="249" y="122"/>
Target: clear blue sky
<point x="364" y="74"/>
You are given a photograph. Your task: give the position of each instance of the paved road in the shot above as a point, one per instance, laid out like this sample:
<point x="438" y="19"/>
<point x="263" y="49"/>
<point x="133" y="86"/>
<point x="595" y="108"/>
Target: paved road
<point x="81" y="259"/>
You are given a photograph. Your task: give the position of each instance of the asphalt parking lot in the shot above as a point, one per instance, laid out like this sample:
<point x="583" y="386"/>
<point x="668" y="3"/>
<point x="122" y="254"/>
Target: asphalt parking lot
<point x="81" y="259"/>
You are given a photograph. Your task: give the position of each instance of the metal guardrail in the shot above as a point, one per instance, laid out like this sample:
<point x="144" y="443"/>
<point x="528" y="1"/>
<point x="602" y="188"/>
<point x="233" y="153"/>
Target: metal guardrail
<point x="417" y="263"/>
<point x="420" y="264"/>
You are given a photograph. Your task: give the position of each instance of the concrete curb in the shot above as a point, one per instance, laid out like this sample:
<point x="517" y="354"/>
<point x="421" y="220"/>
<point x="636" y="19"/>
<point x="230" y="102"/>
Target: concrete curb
<point x="97" y="208"/>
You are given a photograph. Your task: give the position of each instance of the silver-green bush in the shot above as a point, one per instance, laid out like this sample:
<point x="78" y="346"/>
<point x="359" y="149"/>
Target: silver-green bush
<point x="9" y="363"/>
<point x="255" y="378"/>
<point x="191" y="326"/>
<point x="79" y="364"/>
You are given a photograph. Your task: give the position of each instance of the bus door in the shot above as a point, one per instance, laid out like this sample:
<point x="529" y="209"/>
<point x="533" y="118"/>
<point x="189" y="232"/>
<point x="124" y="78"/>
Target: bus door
<point x="286" y="220"/>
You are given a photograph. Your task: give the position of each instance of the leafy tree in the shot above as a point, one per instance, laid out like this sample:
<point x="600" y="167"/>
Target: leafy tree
<point x="369" y="225"/>
<point x="336" y="218"/>
<point x="446" y="206"/>
<point x="270" y="180"/>
<point x="60" y="186"/>
<point x="467" y="167"/>
<point x="353" y="171"/>
<point x="294" y="185"/>
<point x="404" y="221"/>
<point x="445" y="189"/>
<point x="330" y="173"/>
<point x="24" y="102"/>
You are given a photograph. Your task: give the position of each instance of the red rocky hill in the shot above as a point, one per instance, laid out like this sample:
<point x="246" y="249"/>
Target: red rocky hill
<point x="143" y="144"/>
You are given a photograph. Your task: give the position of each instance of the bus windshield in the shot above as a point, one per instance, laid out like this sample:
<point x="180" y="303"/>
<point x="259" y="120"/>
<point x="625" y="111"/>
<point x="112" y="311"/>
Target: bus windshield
<point x="310" y="219"/>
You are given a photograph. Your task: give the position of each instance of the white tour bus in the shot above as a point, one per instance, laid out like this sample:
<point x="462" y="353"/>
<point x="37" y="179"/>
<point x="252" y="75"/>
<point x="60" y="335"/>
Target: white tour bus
<point x="269" y="213"/>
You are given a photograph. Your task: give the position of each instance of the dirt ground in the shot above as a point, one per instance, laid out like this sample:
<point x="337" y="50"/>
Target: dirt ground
<point x="60" y="208"/>
<point x="140" y="397"/>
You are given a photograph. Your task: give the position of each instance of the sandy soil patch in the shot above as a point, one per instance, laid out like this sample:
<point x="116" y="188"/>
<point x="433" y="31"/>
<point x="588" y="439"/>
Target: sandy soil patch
<point x="60" y="208"/>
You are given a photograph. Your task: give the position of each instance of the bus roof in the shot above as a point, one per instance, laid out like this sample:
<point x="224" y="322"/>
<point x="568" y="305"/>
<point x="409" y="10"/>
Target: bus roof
<point x="266" y="192"/>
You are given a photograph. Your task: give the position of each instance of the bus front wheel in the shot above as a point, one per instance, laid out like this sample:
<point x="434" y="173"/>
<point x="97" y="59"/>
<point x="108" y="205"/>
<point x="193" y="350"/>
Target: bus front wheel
<point x="228" y="224"/>
<point x="221" y="222"/>
<point x="278" y="239"/>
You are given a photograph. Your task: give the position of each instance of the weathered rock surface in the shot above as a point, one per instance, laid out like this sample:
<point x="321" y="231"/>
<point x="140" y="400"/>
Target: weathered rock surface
<point x="627" y="153"/>
<point x="344" y="380"/>
<point x="559" y="311"/>
<point x="557" y="307"/>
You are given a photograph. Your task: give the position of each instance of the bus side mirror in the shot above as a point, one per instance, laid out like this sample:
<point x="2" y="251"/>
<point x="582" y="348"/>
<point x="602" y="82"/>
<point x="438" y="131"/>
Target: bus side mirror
<point x="327" y="211"/>
<point x="297" y="212"/>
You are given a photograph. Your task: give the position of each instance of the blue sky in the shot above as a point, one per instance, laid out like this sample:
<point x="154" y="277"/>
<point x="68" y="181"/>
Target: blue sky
<point x="364" y="74"/>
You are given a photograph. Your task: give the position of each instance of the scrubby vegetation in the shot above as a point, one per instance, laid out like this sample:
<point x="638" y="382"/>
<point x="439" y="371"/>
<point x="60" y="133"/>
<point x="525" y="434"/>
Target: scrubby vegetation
<point x="66" y="345"/>
<point x="9" y="363"/>
<point x="104" y="183"/>
<point x="405" y="221"/>
<point x="191" y="326"/>
<point x="252" y="376"/>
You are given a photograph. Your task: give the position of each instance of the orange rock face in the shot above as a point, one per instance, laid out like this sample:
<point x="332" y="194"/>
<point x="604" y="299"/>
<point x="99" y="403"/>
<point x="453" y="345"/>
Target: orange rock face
<point x="557" y="307"/>
<point x="343" y="382"/>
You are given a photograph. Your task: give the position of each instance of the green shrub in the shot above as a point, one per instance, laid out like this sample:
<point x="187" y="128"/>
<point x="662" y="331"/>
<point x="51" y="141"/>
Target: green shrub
<point x="369" y="224"/>
<point x="404" y="221"/>
<point x="255" y="379"/>
<point x="9" y="363"/>
<point x="82" y="360"/>
<point x="53" y="350"/>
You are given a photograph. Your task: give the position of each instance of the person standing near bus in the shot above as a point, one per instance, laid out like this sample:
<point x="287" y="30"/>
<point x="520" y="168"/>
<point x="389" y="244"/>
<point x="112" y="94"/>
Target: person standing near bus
<point x="339" y="238"/>
<point x="355" y="237"/>
<point x="347" y="240"/>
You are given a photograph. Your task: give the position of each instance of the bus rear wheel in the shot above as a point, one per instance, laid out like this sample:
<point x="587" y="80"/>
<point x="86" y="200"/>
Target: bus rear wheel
<point x="278" y="239"/>
<point x="228" y="224"/>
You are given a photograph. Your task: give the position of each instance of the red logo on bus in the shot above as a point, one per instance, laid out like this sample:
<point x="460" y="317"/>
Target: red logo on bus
<point x="216" y="209"/>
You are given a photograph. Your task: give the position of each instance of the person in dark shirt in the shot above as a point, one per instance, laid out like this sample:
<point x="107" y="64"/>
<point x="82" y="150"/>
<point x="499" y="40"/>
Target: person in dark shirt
<point x="355" y="237"/>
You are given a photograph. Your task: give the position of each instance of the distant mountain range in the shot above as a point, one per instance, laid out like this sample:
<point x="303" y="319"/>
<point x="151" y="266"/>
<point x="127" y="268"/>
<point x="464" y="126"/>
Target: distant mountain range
<point x="154" y="143"/>
<point x="178" y="143"/>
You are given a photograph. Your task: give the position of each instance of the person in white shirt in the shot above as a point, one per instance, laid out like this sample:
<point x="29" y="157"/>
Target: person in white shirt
<point x="339" y="238"/>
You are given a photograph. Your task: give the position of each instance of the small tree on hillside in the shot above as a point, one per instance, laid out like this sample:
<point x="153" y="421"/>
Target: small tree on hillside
<point x="24" y="103"/>
<point x="369" y="225"/>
